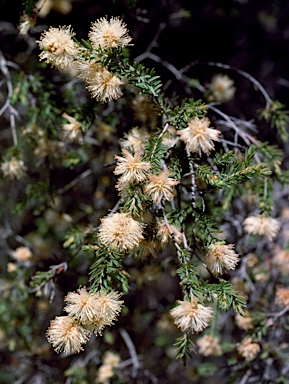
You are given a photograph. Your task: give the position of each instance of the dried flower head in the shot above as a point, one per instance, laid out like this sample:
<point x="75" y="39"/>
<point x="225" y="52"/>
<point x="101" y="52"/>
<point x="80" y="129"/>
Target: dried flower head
<point x="262" y="225"/>
<point x="72" y="131"/>
<point x="26" y="23"/>
<point x="22" y="254"/>
<point x="135" y="139"/>
<point x="282" y="297"/>
<point x="131" y="168"/>
<point x="248" y="349"/>
<point x="198" y="136"/>
<point x="82" y="306"/>
<point x="190" y="316"/>
<point x="13" y="168"/>
<point x="58" y="47"/>
<point x="244" y="322"/>
<point x="222" y="88"/>
<point x="161" y="187"/>
<point x="109" y="34"/>
<point x="120" y="231"/>
<point x="144" y="111"/>
<point x="66" y="335"/>
<point x="166" y="231"/>
<point x="209" y="345"/>
<point x="104" y="86"/>
<point x="220" y="258"/>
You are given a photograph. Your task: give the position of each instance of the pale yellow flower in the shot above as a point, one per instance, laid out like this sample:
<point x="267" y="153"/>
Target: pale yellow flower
<point x="190" y="316"/>
<point x="105" y="372"/>
<point x="222" y="88"/>
<point x="13" y="168"/>
<point x="61" y="6"/>
<point x="109" y="34"/>
<point x="262" y="225"/>
<point x="131" y="168"/>
<point x="120" y="231"/>
<point x="107" y="308"/>
<point x="82" y="306"/>
<point x="198" y="137"/>
<point x="161" y="187"/>
<point x="248" y="349"/>
<point x="58" y="47"/>
<point x="26" y="23"/>
<point x="72" y="131"/>
<point x="220" y="258"/>
<point x="112" y="359"/>
<point x="66" y="335"/>
<point x="104" y="86"/>
<point x="22" y="254"/>
<point x="282" y="297"/>
<point x="209" y="345"/>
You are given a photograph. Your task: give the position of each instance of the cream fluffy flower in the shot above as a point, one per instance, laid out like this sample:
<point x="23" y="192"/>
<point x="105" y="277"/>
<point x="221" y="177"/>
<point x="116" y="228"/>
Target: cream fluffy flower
<point x="160" y="187"/>
<point x="120" y="231"/>
<point x="72" y="130"/>
<point x="209" y="345"/>
<point x="104" y="86"/>
<point x="222" y="88"/>
<point x="13" y="168"/>
<point x="261" y="225"/>
<point x="66" y="335"/>
<point x="22" y="254"/>
<point x="58" y="47"/>
<point x="220" y="258"/>
<point x="244" y="322"/>
<point x="281" y="260"/>
<point x="248" y="349"/>
<point x="109" y="34"/>
<point x="131" y="168"/>
<point x="82" y="306"/>
<point x="198" y="136"/>
<point x="190" y="316"/>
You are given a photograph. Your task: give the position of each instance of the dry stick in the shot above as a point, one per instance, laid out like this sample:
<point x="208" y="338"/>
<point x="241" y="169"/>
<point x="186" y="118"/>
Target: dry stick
<point x="7" y="105"/>
<point x="132" y="351"/>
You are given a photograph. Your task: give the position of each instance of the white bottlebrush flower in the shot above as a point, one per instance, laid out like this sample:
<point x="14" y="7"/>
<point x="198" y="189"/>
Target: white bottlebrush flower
<point x="198" y="137"/>
<point x="109" y="34"/>
<point x="262" y="225"/>
<point x="71" y="131"/>
<point x="161" y="187"/>
<point x="220" y="258"/>
<point x="120" y="231"/>
<point x="58" y="47"/>
<point x="190" y="316"/>
<point x="66" y="335"/>
<point x="131" y="168"/>
<point x="22" y="254"/>
<point x="104" y="86"/>
<point x="222" y="88"/>
<point x="282" y="297"/>
<point x="13" y="168"/>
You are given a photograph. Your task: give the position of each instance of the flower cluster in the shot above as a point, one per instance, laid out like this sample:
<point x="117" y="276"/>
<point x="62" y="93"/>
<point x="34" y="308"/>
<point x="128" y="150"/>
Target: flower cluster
<point x="262" y="225"/>
<point x="220" y="258"/>
<point x="87" y="312"/>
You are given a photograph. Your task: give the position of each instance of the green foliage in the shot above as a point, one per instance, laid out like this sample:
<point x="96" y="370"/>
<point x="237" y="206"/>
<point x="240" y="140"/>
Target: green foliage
<point x="107" y="271"/>
<point x="184" y="347"/>
<point x="278" y="118"/>
<point x="42" y="280"/>
<point x="155" y="152"/>
<point x="181" y="115"/>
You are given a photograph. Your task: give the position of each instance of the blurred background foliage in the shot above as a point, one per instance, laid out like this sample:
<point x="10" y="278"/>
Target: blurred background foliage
<point x="68" y="190"/>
